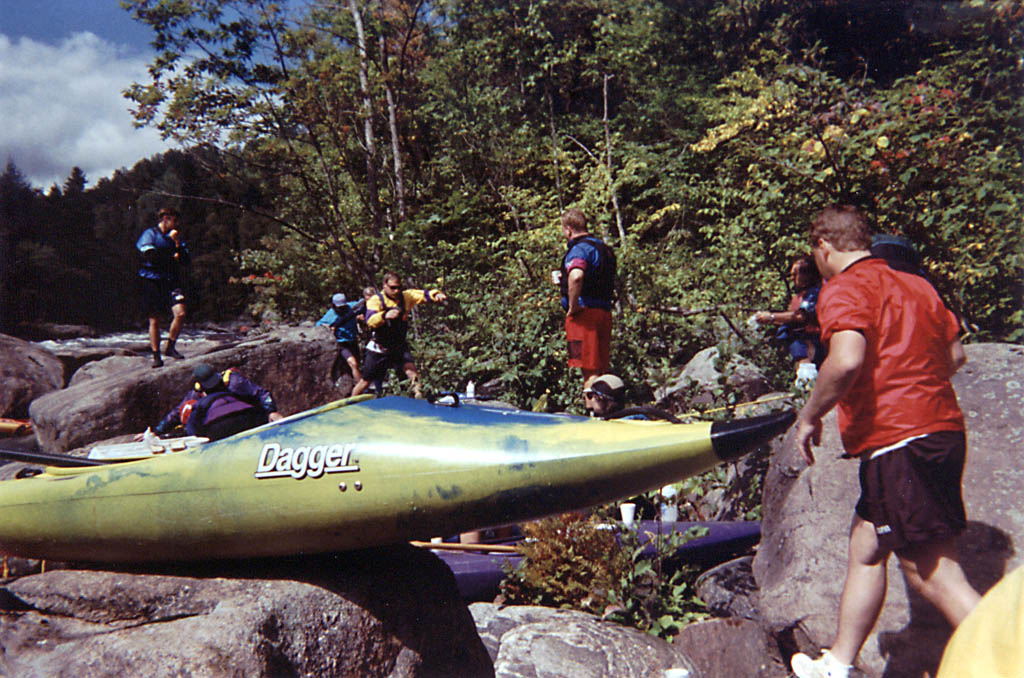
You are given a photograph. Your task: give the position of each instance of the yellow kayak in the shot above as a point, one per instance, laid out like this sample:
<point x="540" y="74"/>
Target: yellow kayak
<point x="357" y="473"/>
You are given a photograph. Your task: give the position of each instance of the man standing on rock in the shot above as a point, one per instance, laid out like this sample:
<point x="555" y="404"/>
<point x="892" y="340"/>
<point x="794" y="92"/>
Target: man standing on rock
<point x="893" y="347"/>
<point x="163" y="254"/>
<point x="587" y="284"/>
<point x="387" y="316"/>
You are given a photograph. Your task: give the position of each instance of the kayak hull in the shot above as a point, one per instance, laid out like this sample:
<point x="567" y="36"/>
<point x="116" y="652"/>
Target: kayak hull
<point x="349" y="475"/>
<point x="479" y="575"/>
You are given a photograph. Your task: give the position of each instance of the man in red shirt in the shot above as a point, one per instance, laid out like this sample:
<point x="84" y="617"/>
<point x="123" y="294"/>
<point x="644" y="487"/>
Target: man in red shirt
<point x="893" y="347"/>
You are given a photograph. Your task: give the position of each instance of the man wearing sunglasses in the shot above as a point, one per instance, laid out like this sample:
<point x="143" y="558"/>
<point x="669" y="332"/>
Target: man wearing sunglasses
<point x="604" y="396"/>
<point x="387" y="316"/>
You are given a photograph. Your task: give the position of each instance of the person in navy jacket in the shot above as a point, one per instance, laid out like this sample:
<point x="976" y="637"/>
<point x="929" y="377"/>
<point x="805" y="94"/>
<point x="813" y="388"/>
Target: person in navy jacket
<point x="219" y="404"/>
<point x="164" y="254"/>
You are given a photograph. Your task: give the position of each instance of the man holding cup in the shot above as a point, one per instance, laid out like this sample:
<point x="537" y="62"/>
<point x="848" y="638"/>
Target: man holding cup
<point x="163" y="253"/>
<point x="587" y="284"/>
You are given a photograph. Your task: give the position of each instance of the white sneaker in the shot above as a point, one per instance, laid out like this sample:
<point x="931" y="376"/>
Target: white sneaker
<point x="825" y="666"/>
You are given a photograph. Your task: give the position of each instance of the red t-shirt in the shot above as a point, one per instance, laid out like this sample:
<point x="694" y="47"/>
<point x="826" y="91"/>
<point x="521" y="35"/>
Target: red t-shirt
<point x="903" y="388"/>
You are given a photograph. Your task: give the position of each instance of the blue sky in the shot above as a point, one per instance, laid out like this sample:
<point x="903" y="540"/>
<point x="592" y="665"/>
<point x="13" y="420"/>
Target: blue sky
<point x="63" y="66"/>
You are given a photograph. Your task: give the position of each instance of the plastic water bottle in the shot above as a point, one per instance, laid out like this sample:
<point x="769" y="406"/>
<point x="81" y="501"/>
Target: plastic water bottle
<point x="669" y="510"/>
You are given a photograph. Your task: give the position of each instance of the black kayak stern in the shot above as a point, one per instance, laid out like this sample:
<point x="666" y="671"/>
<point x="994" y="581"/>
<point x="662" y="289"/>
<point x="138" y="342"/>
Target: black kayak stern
<point x="732" y="439"/>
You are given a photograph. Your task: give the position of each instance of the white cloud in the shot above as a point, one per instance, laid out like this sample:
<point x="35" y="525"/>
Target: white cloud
<point x="61" y="106"/>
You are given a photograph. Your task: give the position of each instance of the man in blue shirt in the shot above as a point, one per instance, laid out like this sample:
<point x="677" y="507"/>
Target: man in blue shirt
<point x="587" y="284"/>
<point x="342" y="317"/>
<point x="163" y="253"/>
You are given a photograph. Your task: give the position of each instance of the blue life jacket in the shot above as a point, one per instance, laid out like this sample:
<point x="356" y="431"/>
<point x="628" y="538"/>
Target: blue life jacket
<point x="598" y="280"/>
<point x="157" y="250"/>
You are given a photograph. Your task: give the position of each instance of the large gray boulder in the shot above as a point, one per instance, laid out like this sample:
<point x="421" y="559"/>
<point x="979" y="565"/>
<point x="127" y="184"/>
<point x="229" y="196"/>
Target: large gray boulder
<point x="705" y="377"/>
<point x="391" y="612"/>
<point x="292" y="362"/>
<point x="733" y="647"/>
<point x="540" y="642"/>
<point x="27" y="371"/>
<point x="801" y="563"/>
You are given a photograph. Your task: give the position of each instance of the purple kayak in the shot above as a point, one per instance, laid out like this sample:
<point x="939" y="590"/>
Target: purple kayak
<point x="479" y="575"/>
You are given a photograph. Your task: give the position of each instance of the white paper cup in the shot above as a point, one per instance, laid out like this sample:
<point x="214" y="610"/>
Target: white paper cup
<point x="628" y="511"/>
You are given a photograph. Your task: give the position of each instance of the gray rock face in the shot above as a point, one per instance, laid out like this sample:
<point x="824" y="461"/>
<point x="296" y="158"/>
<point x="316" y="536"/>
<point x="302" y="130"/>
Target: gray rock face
<point x="99" y="362"/>
<point x="293" y="363"/>
<point x="384" y="613"/>
<point x="27" y="372"/>
<point x="729" y="589"/>
<point x="737" y="648"/>
<point x="702" y="374"/>
<point x="539" y="642"/>
<point x="801" y="563"/>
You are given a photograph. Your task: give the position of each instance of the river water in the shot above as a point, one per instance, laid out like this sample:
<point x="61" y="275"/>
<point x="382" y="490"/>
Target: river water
<point x="138" y="340"/>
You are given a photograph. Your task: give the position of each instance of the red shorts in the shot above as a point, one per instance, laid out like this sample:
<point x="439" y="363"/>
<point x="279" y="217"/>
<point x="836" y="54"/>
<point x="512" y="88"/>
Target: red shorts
<point x="589" y="336"/>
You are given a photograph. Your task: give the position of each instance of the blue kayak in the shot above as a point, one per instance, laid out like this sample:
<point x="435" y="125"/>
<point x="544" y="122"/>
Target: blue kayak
<point x="479" y="574"/>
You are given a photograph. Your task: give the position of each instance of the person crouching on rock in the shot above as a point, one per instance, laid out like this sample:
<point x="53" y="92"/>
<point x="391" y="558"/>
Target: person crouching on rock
<point x="219" y="405"/>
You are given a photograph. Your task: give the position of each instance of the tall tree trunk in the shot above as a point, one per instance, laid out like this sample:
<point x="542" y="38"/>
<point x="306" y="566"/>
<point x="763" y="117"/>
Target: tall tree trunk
<point x="393" y="128"/>
<point x="554" y="150"/>
<point x="608" y="166"/>
<point x="373" y="193"/>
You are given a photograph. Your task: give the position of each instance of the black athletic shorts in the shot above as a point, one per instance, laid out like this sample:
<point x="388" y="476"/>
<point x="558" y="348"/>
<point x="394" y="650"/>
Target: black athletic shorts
<point x="346" y="350"/>
<point x="159" y="295"/>
<point x="377" y="364"/>
<point x="911" y="493"/>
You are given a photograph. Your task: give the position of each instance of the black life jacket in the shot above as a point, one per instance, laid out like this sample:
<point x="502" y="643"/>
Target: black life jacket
<point x="391" y="334"/>
<point x="598" y="283"/>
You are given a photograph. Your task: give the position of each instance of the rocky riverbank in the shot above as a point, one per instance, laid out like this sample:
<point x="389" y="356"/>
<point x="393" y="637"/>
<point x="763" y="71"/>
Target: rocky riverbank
<point x="396" y="611"/>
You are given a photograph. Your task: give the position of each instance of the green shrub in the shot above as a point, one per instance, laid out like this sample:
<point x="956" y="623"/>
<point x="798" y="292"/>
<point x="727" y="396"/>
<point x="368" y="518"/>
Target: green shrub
<point x="576" y="562"/>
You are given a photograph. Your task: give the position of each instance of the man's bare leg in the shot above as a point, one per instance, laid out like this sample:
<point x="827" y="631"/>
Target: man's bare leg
<point x="414" y="379"/>
<point x="154" y="333"/>
<point x="177" y="322"/>
<point x="863" y="592"/>
<point x="353" y="365"/>
<point x="360" y="387"/>
<point x="933" y="570"/>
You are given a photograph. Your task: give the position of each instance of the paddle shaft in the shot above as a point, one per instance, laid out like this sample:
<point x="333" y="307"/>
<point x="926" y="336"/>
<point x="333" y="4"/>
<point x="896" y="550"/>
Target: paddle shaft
<point x="49" y="459"/>
<point x="448" y="546"/>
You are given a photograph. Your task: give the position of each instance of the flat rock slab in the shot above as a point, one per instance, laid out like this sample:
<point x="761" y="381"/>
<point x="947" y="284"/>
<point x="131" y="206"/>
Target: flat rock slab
<point x="126" y="395"/>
